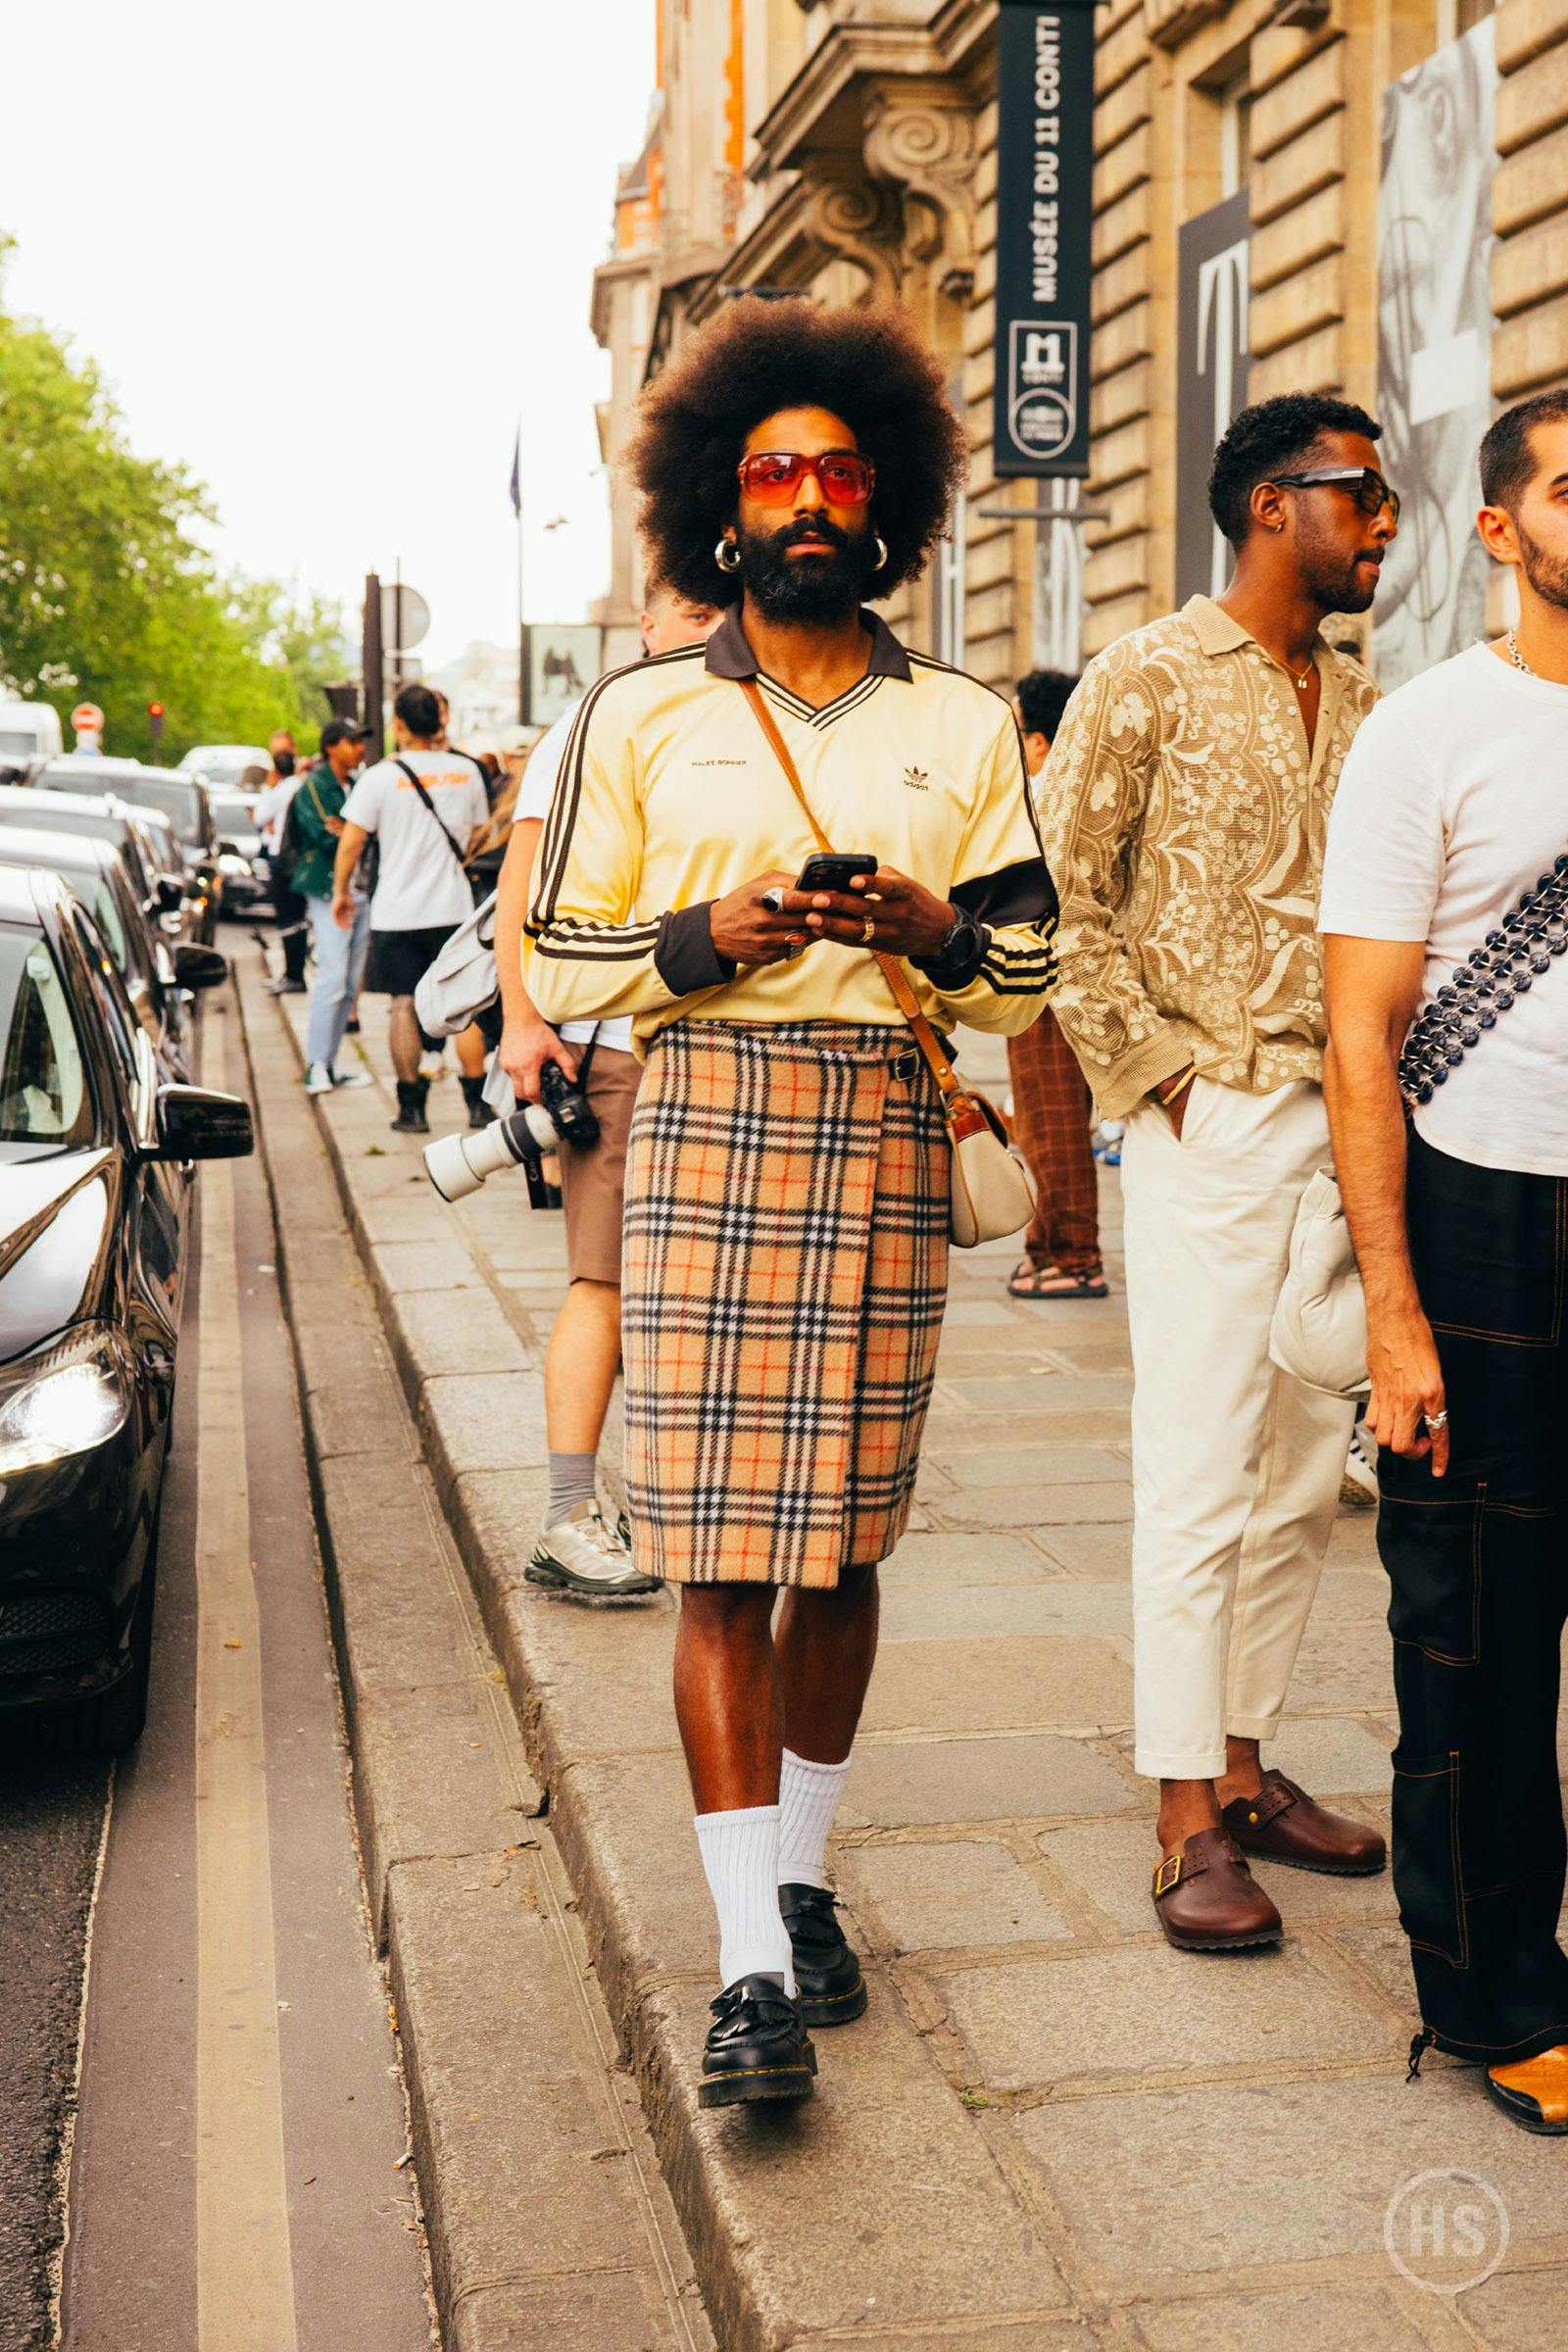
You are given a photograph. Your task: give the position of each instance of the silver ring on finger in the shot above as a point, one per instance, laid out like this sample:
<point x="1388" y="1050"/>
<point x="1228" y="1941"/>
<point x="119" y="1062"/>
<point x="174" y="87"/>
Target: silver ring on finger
<point x="773" y="898"/>
<point x="1436" y="1420"/>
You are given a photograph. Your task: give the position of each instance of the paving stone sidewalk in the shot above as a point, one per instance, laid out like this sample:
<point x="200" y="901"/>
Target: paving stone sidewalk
<point x="1050" y="2130"/>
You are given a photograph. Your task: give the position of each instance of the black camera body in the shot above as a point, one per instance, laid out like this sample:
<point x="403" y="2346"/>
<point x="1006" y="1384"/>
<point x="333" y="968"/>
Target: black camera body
<point x="457" y="1165"/>
<point x="570" y="1112"/>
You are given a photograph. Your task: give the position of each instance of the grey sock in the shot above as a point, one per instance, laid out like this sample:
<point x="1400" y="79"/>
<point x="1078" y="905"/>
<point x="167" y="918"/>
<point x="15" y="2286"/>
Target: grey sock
<point x="571" y="1481"/>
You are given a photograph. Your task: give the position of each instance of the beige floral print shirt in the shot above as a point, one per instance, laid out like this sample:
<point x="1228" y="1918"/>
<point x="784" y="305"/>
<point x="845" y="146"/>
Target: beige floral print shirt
<point x="1184" y="822"/>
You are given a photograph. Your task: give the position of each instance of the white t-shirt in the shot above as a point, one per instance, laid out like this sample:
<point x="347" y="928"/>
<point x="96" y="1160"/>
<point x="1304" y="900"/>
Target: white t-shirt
<point x="1454" y="801"/>
<point x="421" y="883"/>
<point x="534" y="796"/>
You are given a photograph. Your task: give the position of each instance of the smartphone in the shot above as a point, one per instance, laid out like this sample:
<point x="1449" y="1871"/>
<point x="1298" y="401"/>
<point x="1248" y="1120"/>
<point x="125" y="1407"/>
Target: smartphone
<point x="834" y="869"/>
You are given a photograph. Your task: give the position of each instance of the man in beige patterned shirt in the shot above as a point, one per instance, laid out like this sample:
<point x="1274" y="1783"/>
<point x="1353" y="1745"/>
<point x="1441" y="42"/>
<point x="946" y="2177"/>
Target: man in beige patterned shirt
<point x="1184" y="814"/>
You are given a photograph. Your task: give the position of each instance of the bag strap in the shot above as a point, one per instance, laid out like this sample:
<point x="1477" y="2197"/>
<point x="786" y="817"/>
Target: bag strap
<point x="418" y="787"/>
<point x="893" y="972"/>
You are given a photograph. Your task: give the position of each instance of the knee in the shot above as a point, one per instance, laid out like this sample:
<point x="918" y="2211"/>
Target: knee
<point x="726" y="1612"/>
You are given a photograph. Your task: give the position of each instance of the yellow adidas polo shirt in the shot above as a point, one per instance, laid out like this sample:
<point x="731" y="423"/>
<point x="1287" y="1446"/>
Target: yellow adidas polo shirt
<point x="671" y="795"/>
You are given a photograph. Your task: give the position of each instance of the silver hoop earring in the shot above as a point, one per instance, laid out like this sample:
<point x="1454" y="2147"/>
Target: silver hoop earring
<point x="881" y="552"/>
<point x="727" y="556"/>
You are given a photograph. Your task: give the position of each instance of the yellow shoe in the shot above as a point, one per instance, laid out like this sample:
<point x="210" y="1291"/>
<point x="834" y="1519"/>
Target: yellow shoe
<point x="1535" y="2093"/>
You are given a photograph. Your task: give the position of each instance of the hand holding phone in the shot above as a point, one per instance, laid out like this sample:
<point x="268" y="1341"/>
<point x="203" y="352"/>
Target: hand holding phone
<point x="834" y="869"/>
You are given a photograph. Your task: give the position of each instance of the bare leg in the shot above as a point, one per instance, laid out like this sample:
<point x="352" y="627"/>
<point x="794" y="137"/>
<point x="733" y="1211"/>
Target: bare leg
<point x="826" y="1650"/>
<point x="471" y="1050"/>
<point x="580" y="1366"/>
<point x="403" y="1038"/>
<point x="727" y="1699"/>
<point x="1188" y="1806"/>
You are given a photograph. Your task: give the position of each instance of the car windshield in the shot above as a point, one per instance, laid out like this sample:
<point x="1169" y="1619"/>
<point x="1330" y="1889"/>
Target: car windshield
<point x="43" y="1084"/>
<point x="231" y="814"/>
<point x="179" y="801"/>
<point x="221" y="767"/>
<point x="12" y="739"/>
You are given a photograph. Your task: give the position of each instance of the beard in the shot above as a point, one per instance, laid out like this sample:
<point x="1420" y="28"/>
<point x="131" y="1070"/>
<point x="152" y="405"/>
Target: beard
<point x="1334" y="583"/>
<point x="806" y="588"/>
<point x="1548" y="574"/>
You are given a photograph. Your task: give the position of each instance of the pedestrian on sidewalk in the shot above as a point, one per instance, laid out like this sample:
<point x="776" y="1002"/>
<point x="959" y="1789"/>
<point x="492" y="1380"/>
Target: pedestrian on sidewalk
<point x="579" y="1549"/>
<point x="316" y="825"/>
<point x="288" y="908"/>
<point x="1445" y="890"/>
<point x="424" y="808"/>
<point x="1051" y="1110"/>
<point x="787" y="1188"/>
<point x="1189" y="791"/>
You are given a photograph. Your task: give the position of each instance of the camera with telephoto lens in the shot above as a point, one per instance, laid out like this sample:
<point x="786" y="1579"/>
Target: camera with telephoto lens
<point x="457" y="1165"/>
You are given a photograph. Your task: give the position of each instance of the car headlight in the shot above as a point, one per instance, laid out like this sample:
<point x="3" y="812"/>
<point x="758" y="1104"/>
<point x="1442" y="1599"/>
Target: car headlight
<point x="66" y="1400"/>
<point x="232" y="864"/>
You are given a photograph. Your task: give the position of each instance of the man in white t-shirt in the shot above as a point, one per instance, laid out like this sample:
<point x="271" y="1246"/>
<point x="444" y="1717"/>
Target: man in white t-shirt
<point x="423" y="807"/>
<point x="1445" y="904"/>
<point x="579" y="1551"/>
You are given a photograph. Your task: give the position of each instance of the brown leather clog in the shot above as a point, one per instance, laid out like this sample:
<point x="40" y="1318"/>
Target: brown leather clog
<point x="1283" y="1824"/>
<point x="1208" y="1900"/>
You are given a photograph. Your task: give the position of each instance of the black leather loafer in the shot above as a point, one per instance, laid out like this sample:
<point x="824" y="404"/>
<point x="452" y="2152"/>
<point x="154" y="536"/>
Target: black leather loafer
<point x="827" y="1974"/>
<point x="758" y="2046"/>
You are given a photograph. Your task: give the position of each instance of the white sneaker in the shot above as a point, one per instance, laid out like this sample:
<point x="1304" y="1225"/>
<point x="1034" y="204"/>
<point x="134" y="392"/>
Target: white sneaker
<point x="319" y="1079"/>
<point x="1359" y="1485"/>
<point x="342" y="1078"/>
<point x="581" y="1553"/>
<point x="431" y="1067"/>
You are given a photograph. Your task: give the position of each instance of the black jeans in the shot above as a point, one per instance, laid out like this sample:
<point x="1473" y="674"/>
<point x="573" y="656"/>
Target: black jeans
<point x="1479" y="1594"/>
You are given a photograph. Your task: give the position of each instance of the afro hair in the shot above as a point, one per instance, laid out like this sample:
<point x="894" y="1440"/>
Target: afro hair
<point x="868" y="366"/>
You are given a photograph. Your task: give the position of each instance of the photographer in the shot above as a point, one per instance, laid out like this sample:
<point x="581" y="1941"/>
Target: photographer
<point x="580" y="1550"/>
<point x="788" y="1180"/>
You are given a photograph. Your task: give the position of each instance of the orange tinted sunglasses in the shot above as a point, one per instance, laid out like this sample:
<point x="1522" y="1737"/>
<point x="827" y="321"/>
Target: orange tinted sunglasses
<point x="773" y="476"/>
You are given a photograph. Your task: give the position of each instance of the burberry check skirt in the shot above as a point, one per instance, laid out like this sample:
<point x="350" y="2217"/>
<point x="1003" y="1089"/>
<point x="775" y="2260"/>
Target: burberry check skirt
<point x="782" y="1291"/>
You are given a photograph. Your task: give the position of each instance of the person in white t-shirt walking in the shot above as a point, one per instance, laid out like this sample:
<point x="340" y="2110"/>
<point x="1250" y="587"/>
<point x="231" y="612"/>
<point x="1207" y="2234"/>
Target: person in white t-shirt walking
<point x="424" y="808"/>
<point x="1446" y="905"/>
<point x="579" y="1551"/>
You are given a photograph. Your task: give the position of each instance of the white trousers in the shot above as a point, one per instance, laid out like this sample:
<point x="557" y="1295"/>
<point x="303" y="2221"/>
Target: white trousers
<point x="1236" y="1466"/>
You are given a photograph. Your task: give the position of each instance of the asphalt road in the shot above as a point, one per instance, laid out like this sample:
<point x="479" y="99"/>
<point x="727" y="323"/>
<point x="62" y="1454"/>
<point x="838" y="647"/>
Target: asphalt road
<point x="234" y="2182"/>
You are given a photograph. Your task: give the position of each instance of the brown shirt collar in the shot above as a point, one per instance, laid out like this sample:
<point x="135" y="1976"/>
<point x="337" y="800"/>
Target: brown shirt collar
<point x="730" y="657"/>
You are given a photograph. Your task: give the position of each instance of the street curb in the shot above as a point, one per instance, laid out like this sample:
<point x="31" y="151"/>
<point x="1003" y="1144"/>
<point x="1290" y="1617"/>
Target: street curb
<point x="515" y="2096"/>
<point x="773" y="2279"/>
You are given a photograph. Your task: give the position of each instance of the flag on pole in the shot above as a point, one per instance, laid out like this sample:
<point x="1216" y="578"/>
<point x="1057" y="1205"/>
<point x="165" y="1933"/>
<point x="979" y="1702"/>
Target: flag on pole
<point x="517" y="474"/>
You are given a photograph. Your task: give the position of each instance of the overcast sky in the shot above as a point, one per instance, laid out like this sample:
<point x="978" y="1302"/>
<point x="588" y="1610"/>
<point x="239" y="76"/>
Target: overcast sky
<point x="325" y="252"/>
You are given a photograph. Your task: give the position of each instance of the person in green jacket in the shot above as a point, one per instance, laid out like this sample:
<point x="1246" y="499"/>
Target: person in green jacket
<point x="316" y="820"/>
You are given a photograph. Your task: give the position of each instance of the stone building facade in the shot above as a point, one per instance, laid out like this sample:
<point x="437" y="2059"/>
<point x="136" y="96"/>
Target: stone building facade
<point x="1312" y="182"/>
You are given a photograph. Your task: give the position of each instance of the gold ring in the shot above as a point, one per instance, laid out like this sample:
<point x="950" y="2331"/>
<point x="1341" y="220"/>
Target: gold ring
<point x="869" y="933"/>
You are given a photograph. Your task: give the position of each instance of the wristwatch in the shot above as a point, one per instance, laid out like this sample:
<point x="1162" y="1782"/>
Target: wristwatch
<point x="958" y="957"/>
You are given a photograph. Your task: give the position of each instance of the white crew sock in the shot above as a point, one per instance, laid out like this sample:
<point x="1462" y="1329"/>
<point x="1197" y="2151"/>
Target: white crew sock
<point x="807" y="1799"/>
<point x="740" y="1854"/>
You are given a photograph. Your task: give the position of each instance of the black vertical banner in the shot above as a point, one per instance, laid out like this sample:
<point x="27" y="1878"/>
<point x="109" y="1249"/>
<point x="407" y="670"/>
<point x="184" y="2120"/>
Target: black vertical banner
<point x="1045" y="166"/>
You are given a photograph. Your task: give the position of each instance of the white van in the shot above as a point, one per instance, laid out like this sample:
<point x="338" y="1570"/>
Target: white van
<point x="28" y="731"/>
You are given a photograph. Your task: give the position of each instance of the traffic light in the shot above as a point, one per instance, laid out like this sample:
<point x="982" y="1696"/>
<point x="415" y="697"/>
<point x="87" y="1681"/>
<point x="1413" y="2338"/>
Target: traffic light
<point x="154" y="725"/>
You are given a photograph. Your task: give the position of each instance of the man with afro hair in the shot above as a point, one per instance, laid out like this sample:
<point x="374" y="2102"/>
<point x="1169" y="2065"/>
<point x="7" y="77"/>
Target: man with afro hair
<point x="1185" y="811"/>
<point x="787" y="1189"/>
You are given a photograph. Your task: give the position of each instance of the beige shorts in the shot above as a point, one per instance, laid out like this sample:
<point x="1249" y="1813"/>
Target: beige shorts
<point x="593" y="1183"/>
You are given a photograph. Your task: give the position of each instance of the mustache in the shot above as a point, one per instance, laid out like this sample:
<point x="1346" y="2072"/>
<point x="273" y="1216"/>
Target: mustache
<point x="807" y="530"/>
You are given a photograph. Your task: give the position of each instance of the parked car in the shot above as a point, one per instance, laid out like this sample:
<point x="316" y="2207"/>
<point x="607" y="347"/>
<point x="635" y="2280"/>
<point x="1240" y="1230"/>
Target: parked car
<point x="101" y="820"/>
<point x="94" y="1212"/>
<point x="28" y="731"/>
<point x="220" y="766"/>
<point x="180" y="796"/>
<point x="243" y="868"/>
<point x="158" y="979"/>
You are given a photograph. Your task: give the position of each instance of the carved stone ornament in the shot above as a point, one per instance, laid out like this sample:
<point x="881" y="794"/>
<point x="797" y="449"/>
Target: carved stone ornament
<point x="1168" y="23"/>
<point x="927" y="146"/>
<point x="859" y="221"/>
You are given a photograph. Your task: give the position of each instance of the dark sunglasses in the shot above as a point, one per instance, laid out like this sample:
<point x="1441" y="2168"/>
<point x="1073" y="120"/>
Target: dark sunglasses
<point x="773" y="477"/>
<point x="1365" y="484"/>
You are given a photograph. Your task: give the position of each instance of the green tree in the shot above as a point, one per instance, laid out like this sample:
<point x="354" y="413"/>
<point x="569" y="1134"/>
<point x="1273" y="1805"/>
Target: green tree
<point x="105" y="593"/>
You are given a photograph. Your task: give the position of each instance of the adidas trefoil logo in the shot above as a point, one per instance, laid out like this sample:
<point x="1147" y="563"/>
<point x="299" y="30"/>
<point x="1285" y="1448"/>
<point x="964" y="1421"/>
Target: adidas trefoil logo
<point x="916" y="778"/>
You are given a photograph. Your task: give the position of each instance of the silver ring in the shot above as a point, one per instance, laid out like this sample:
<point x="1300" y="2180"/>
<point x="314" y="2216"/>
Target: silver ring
<point x="1436" y="1420"/>
<point x="773" y="898"/>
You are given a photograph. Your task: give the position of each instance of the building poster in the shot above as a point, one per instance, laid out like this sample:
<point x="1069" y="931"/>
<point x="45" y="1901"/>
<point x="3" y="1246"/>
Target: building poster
<point x="1434" y="351"/>
<point x="563" y="659"/>
<point x="1212" y="288"/>
<point x="1045" y="163"/>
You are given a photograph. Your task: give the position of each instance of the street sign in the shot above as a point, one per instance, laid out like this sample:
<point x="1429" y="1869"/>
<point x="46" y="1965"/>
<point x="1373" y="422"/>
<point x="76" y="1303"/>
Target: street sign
<point x="404" y="618"/>
<point x="87" y="719"/>
<point x="1044" y="159"/>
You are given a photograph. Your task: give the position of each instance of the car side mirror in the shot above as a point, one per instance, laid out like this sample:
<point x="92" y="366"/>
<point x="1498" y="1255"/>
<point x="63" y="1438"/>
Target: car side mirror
<point x="171" y="893"/>
<point x="194" y="1122"/>
<point x="199" y="967"/>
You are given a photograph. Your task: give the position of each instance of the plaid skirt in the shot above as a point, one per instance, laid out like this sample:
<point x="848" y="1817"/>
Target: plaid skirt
<point x="782" y="1291"/>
